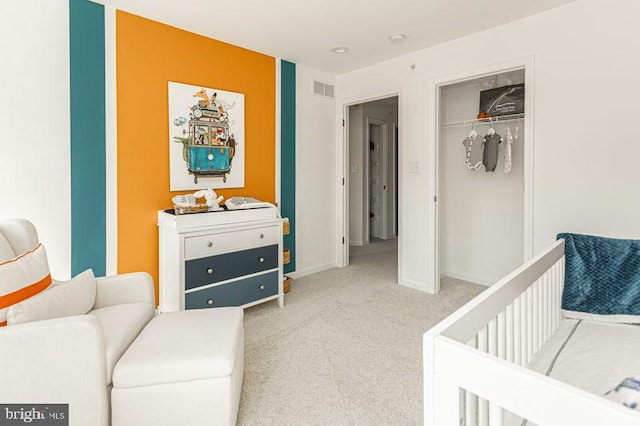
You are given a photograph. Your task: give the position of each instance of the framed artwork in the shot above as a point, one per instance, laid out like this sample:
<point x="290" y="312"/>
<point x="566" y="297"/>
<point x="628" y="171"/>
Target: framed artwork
<point x="206" y="138"/>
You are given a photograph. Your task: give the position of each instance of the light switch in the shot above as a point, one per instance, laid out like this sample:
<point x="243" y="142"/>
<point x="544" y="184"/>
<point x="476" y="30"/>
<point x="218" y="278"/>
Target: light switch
<point x="354" y="168"/>
<point x="414" y="167"/>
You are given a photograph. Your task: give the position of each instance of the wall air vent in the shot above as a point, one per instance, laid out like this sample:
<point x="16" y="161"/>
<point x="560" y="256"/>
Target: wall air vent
<point x="323" y="89"/>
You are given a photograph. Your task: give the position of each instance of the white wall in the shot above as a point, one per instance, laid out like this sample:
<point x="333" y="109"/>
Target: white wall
<point x="34" y="117"/>
<point x="585" y="153"/>
<point x="356" y="174"/>
<point x="315" y="174"/>
<point x="481" y="213"/>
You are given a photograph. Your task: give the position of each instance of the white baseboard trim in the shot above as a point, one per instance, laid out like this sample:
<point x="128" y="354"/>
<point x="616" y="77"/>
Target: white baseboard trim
<point x="313" y="270"/>
<point x="414" y="285"/>
<point x="356" y="243"/>
<point x="468" y="277"/>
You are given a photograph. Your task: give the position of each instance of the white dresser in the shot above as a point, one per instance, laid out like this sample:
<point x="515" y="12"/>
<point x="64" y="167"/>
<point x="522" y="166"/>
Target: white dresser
<point x="224" y="258"/>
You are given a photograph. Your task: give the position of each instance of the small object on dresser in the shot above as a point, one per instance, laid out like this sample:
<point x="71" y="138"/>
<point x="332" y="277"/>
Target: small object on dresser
<point x="198" y="208"/>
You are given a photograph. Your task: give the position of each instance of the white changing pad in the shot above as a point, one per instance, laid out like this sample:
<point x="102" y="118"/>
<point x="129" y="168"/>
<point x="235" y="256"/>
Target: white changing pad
<point x="595" y="358"/>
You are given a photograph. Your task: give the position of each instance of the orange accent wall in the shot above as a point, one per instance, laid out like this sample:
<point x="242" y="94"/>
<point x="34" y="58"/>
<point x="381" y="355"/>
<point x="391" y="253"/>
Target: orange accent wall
<point x="148" y="55"/>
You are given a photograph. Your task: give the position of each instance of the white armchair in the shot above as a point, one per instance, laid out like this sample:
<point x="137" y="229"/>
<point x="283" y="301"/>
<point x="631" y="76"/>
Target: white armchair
<point x="71" y="360"/>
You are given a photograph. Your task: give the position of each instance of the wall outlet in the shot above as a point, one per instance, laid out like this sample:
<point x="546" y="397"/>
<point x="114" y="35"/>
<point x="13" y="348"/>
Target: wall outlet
<point x="414" y="167"/>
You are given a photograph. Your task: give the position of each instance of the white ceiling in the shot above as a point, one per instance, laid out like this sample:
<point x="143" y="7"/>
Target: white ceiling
<point x="303" y="31"/>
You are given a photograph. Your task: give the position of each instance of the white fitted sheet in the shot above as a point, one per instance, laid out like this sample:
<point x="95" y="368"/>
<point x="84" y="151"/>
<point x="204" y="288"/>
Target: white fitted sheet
<point x="596" y="358"/>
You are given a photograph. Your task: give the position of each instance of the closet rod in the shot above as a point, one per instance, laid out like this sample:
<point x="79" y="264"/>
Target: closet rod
<point x="501" y="119"/>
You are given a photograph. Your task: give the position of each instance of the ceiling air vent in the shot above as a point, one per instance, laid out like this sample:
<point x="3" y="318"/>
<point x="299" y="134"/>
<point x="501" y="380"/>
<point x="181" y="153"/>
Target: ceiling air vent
<point x="323" y="89"/>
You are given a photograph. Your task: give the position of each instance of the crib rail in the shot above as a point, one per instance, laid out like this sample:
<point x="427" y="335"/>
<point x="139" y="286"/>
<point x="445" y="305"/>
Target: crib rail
<point x="500" y="331"/>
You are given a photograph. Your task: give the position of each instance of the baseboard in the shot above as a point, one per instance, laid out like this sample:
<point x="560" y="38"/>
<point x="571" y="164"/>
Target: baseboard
<point x="468" y="277"/>
<point x="356" y="243"/>
<point x="313" y="270"/>
<point x="415" y="285"/>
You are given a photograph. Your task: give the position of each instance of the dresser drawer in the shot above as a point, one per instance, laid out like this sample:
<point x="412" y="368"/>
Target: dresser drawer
<point x="235" y="293"/>
<point x="207" y="245"/>
<point x="213" y="269"/>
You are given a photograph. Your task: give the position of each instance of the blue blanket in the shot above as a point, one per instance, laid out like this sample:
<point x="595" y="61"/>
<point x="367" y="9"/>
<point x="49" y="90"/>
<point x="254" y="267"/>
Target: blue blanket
<point x="602" y="277"/>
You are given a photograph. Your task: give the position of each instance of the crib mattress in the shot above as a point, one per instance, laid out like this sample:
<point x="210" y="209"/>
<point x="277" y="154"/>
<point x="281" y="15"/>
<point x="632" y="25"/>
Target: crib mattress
<point x="589" y="355"/>
<point x="596" y="356"/>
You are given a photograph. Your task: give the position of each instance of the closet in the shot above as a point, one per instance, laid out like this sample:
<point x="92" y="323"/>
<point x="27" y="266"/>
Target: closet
<point x="481" y="209"/>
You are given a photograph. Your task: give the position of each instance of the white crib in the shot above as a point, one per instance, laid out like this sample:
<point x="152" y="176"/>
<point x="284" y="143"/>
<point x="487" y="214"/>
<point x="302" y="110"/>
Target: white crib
<point x="475" y="359"/>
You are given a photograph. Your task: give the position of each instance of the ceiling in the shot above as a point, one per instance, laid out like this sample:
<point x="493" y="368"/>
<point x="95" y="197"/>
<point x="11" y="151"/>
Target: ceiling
<point x="304" y="31"/>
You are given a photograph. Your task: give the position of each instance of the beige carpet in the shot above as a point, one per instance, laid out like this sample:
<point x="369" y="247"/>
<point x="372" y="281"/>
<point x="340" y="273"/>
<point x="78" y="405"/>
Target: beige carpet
<point x="346" y="349"/>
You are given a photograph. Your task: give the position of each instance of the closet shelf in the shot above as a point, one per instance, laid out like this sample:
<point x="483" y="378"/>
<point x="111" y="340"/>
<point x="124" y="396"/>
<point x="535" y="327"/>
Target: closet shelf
<point x="501" y="119"/>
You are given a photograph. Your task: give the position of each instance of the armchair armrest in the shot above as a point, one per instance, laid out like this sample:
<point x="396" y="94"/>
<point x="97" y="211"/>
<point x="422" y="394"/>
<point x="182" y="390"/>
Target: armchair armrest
<point x="56" y="361"/>
<point x="124" y="288"/>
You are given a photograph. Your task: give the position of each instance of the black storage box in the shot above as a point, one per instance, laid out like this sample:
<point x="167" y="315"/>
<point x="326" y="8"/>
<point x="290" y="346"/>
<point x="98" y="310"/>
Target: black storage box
<point x="504" y="100"/>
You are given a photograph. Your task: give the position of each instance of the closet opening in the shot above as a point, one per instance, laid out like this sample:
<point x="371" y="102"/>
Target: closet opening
<point x="372" y="178"/>
<point x="482" y="206"/>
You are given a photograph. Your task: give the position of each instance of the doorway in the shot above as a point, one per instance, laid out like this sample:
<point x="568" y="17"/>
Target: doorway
<point x="372" y="183"/>
<point x="482" y="211"/>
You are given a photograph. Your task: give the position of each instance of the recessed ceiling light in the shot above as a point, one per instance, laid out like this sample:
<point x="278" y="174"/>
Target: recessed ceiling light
<point x="397" y="38"/>
<point x="340" y="50"/>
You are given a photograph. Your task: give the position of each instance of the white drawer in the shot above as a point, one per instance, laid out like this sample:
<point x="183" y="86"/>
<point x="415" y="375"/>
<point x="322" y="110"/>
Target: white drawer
<point x="207" y="245"/>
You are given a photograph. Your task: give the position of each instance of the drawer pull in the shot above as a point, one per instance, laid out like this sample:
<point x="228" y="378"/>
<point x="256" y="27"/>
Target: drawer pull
<point x="209" y="244"/>
<point x="210" y="271"/>
<point x="261" y="260"/>
<point x="261" y="287"/>
<point x="261" y="236"/>
<point x="210" y="302"/>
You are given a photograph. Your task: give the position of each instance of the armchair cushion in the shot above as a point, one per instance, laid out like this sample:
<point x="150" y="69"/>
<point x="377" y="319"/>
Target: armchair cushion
<point x="121" y="324"/>
<point x="22" y="277"/>
<point x="73" y="297"/>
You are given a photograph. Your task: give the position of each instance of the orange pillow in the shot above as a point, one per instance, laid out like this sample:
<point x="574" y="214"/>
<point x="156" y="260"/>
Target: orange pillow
<point x="21" y="278"/>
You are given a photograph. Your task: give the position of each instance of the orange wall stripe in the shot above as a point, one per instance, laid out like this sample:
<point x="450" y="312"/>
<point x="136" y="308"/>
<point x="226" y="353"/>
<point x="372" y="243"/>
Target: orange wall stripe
<point x="24" y="293"/>
<point x="148" y="55"/>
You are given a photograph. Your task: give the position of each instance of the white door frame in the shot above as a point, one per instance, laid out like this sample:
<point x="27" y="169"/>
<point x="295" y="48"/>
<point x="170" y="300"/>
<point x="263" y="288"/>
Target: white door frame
<point x="366" y="221"/>
<point x="435" y="86"/>
<point x="342" y="171"/>
<point x="394" y="181"/>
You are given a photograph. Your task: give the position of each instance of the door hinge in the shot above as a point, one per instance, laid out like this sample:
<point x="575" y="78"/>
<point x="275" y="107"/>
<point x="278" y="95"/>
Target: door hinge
<point x="342" y="181"/>
<point x="435" y="198"/>
<point x="342" y="240"/>
<point x="343" y="122"/>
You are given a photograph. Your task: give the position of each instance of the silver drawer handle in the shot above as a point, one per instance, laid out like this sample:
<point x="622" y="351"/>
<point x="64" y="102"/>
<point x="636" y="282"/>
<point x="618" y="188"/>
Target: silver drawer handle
<point x="261" y="236"/>
<point x="261" y="287"/>
<point x="209" y="244"/>
<point x="262" y="260"/>
<point x="210" y="302"/>
<point x="210" y="271"/>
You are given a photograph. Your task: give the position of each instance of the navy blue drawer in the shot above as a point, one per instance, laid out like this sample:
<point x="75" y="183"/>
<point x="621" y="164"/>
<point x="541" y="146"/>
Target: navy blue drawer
<point x="236" y="293"/>
<point x="214" y="269"/>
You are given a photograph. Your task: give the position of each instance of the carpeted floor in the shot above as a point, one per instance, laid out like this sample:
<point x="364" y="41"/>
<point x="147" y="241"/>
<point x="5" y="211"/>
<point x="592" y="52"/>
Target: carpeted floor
<point x="346" y="349"/>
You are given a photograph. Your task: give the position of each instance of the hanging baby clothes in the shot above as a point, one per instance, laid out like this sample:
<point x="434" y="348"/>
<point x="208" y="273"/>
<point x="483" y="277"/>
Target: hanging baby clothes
<point x="473" y="151"/>
<point x="507" y="152"/>
<point x="490" y="154"/>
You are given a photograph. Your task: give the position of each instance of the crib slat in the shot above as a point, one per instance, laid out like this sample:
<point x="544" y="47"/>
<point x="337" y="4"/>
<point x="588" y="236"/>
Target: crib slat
<point x="510" y="335"/>
<point x="502" y="335"/>
<point x="517" y="331"/>
<point x="493" y="337"/>
<point x="544" y="308"/>
<point x="470" y="409"/>
<point x="529" y="326"/>
<point x="483" y="405"/>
